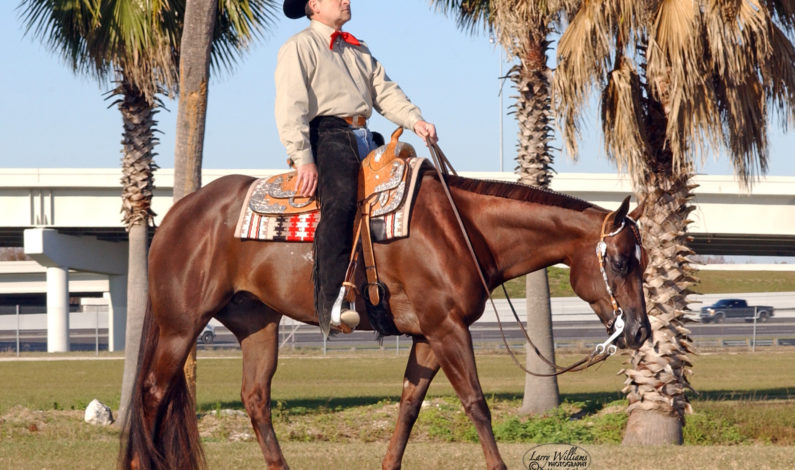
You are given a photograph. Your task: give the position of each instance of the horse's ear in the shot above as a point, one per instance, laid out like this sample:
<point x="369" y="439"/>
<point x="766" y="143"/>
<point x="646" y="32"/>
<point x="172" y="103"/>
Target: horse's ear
<point x="621" y="213"/>
<point x="637" y="212"/>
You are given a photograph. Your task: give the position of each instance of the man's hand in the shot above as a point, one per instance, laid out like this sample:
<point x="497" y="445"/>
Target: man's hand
<point x="306" y="180"/>
<point x="426" y="131"/>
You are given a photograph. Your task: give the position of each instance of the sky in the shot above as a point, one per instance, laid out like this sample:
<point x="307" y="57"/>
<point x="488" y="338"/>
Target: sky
<point x="51" y="118"/>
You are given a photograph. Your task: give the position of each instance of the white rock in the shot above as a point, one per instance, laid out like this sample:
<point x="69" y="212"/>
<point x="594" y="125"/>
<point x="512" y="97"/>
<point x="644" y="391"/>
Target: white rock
<point x="97" y="413"/>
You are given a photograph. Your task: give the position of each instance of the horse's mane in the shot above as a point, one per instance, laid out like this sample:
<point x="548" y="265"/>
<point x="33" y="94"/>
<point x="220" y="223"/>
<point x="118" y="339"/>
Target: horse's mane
<point x="518" y="191"/>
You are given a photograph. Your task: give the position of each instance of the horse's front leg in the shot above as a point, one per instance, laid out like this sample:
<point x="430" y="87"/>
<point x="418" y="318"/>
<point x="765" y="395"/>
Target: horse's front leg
<point x="257" y="329"/>
<point x="452" y="344"/>
<point x="422" y="366"/>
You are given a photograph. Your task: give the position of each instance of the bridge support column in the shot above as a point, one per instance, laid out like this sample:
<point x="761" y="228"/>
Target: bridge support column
<point x="55" y="251"/>
<point x="57" y="309"/>
<point x="117" y="312"/>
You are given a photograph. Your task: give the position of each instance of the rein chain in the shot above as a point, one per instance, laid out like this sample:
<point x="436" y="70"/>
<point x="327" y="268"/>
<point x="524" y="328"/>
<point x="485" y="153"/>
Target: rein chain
<point x="602" y="351"/>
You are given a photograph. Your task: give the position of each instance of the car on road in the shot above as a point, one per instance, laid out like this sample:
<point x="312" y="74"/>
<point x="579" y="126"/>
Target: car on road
<point x="724" y="309"/>
<point x="207" y="336"/>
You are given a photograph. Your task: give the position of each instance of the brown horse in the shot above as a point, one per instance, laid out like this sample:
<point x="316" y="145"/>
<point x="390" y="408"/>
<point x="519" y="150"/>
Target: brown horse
<point x="199" y="270"/>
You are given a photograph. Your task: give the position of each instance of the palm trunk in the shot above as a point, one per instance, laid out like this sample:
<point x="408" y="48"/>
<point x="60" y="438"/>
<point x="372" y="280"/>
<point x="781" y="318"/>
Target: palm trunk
<point x="137" y="293"/>
<point x="533" y="152"/>
<point x="137" y="190"/>
<point x="534" y="159"/>
<point x="657" y="380"/>
<point x="541" y="394"/>
<point x="194" y="66"/>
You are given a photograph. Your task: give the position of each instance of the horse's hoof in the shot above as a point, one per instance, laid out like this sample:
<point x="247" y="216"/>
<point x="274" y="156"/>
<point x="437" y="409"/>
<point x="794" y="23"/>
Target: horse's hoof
<point x="349" y="318"/>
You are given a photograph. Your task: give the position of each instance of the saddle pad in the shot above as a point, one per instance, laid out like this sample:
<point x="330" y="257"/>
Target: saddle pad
<point x="301" y="227"/>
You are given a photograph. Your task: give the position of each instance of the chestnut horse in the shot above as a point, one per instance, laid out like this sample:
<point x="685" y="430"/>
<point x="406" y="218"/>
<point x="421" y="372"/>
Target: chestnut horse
<point x="199" y="270"/>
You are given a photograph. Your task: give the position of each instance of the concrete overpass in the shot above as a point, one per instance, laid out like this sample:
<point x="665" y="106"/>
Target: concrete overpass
<point x="86" y="202"/>
<point x="69" y="221"/>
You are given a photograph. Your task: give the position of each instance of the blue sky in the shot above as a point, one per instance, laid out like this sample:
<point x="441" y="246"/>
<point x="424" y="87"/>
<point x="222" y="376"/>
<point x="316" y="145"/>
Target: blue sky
<point x="50" y="118"/>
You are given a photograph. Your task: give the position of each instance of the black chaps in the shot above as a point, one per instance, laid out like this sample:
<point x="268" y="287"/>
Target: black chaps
<point x="336" y="156"/>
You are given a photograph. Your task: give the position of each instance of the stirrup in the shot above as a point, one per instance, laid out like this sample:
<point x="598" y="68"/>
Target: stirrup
<point x="344" y="319"/>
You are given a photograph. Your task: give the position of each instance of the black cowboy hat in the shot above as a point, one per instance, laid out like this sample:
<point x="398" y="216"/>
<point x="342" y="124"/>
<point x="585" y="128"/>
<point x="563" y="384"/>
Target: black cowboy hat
<point x="294" y="8"/>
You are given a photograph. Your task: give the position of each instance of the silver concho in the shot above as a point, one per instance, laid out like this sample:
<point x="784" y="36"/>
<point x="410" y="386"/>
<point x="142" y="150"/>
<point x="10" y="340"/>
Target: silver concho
<point x="378" y="153"/>
<point x="394" y="204"/>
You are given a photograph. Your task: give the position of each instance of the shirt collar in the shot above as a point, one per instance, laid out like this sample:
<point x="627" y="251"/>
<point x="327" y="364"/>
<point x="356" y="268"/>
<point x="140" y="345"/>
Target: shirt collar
<point x="321" y="28"/>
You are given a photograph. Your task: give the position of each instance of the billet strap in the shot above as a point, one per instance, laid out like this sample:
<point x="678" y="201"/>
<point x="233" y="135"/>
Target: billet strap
<point x="362" y="236"/>
<point x="369" y="256"/>
<point x="354" y="257"/>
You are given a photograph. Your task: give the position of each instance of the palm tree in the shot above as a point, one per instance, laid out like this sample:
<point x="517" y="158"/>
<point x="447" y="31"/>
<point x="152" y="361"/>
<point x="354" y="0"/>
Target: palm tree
<point x="522" y="28"/>
<point x="126" y="42"/>
<point x="677" y="79"/>
<point x="136" y="45"/>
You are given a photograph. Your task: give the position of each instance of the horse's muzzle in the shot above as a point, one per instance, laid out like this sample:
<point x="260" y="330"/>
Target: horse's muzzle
<point x="635" y="334"/>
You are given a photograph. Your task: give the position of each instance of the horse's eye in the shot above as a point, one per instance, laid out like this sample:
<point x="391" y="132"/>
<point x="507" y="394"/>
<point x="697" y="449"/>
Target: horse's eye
<point x="620" y="266"/>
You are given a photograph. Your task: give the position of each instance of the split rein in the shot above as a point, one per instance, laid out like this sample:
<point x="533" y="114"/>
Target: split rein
<point x="602" y="351"/>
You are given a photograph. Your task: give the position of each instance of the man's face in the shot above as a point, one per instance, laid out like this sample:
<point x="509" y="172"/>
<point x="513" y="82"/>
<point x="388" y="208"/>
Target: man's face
<point x="334" y="13"/>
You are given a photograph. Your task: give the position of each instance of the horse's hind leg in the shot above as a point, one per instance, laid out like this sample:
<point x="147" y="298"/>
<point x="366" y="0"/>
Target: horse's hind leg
<point x="257" y="328"/>
<point x="421" y="368"/>
<point x="453" y="348"/>
<point x="163" y="432"/>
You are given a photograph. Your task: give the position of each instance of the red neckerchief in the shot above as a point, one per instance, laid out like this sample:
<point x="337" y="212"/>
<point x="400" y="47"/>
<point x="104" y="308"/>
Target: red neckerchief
<point x="347" y="37"/>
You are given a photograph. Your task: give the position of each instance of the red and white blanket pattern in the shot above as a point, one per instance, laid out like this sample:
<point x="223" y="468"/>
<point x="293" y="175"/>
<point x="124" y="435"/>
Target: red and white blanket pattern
<point x="301" y="227"/>
<point x="288" y="228"/>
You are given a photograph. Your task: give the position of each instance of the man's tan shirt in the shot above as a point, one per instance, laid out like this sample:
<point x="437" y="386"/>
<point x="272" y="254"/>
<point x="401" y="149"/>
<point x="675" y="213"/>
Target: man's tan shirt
<point x="313" y="80"/>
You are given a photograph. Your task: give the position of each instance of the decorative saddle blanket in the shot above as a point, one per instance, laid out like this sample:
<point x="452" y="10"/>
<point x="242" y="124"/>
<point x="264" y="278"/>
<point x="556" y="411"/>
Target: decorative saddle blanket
<point x="272" y="211"/>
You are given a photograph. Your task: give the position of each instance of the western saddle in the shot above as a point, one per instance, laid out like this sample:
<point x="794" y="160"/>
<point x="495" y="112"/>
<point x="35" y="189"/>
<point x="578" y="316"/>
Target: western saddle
<point x="382" y="189"/>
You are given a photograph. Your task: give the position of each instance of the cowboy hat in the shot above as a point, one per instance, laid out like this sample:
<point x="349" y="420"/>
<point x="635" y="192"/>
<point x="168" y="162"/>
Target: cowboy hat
<point x="294" y="9"/>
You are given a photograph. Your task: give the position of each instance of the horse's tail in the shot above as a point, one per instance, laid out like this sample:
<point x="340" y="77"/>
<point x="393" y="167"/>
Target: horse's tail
<point x="170" y="439"/>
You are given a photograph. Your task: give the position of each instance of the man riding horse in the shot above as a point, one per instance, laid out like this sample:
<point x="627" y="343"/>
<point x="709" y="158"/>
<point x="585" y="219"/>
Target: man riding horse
<point x="327" y="84"/>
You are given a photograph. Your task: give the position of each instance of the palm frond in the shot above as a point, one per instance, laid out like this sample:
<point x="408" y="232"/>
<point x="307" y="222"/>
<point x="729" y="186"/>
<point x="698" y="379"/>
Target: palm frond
<point x="778" y="75"/>
<point x="737" y="37"/>
<point x="584" y="57"/>
<point x="238" y="24"/>
<point x="139" y="39"/>
<point x="62" y="27"/>
<point x="783" y="13"/>
<point x="470" y="15"/>
<point x="678" y="77"/>
<point x="623" y="118"/>
<point x="746" y="136"/>
<point x="519" y="25"/>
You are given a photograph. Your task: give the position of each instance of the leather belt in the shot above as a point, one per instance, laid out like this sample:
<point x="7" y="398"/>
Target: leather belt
<point x="356" y="121"/>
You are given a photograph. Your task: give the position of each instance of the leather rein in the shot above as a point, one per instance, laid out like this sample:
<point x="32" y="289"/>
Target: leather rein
<point x="602" y="350"/>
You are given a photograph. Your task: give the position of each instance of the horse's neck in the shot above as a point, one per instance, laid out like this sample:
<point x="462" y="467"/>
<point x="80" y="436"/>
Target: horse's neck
<point x="523" y="236"/>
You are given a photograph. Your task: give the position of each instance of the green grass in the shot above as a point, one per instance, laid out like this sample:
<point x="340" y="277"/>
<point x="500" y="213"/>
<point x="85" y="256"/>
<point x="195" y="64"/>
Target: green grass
<point x="100" y="455"/>
<point x="558" y="285"/>
<point x="340" y="410"/>
<point x="709" y="282"/>
<point x="59" y="385"/>
<point x="310" y="380"/>
<point x="726" y="282"/>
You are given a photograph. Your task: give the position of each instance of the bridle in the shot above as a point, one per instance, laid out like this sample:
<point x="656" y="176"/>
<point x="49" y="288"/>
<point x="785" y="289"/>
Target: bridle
<point x="603" y="350"/>
<point x="618" y="312"/>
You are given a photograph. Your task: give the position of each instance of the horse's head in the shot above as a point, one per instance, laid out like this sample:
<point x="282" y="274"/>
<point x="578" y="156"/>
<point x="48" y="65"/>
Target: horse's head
<point x="607" y="272"/>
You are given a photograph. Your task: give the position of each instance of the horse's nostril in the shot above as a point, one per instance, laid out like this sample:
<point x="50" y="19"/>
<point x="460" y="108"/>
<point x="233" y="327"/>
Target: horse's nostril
<point x="641" y="335"/>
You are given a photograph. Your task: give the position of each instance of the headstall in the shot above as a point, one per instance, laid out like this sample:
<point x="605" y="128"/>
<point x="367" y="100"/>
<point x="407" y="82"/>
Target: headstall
<point x="618" y="312"/>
